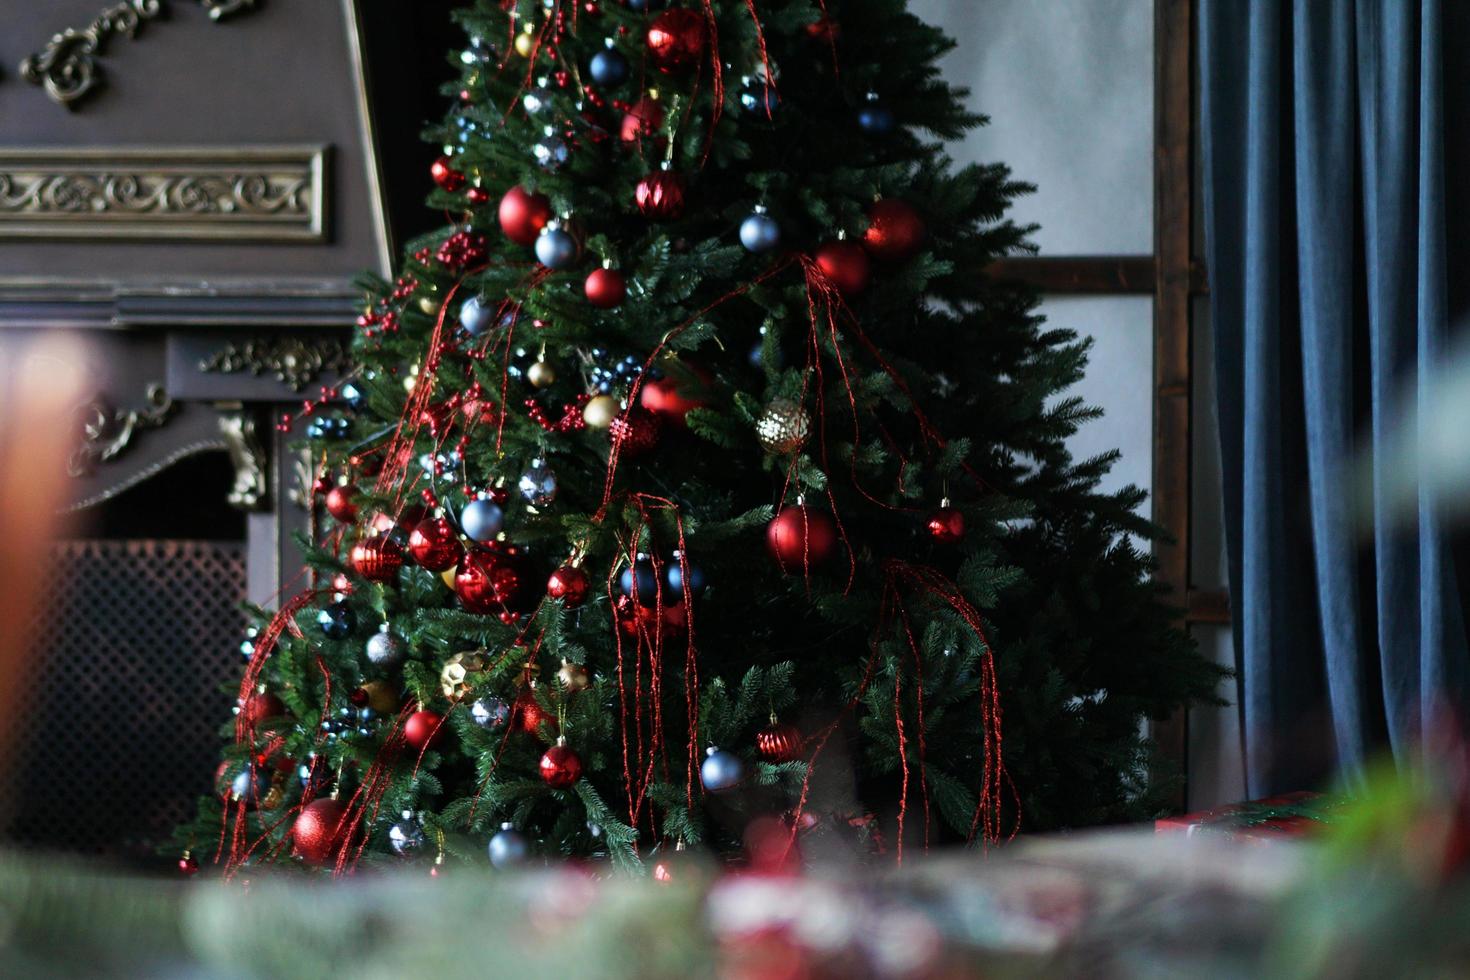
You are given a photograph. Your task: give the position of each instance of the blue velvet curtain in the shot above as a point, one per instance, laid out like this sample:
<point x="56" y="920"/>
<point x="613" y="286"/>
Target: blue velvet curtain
<point x="1335" y="177"/>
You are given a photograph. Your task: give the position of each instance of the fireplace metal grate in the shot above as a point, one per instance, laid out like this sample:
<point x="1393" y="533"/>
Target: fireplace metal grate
<point x="117" y="732"/>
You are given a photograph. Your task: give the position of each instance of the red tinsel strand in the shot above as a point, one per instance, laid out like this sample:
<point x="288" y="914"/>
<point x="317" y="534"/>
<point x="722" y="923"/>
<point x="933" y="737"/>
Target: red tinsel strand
<point x="903" y="758"/>
<point x="760" y="42"/>
<point x="831" y="39"/>
<point x="908" y="630"/>
<point x="717" y="76"/>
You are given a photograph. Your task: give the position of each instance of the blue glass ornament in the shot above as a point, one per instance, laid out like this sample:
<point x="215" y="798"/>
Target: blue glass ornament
<point x="538" y="484"/>
<point x="760" y="98"/>
<point x="482" y="520"/>
<point x="406" y="837"/>
<point x="875" y="118"/>
<point x="490" y="712"/>
<point x="555" y="249"/>
<point x="336" y="621"/>
<point x="353" y="396"/>
<point x="609" y="68"/>
<point x="721" y="771"/>
<point x="552" y="153"/>
<point x="674" y="575"/>
<point x="385" y="648"/>
<point x="647" y="582"/>
<point x="247" y="645"/>
<point x="476" y="315"/>
<point x="327" y="427"/>
<point x="249" y="785"/>
<point x="759" y="232"/>
<point x="509" y="847"/>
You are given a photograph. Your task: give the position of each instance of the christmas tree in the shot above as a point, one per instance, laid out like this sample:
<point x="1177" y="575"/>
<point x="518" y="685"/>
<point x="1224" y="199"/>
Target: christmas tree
<point x="698" y="474"/>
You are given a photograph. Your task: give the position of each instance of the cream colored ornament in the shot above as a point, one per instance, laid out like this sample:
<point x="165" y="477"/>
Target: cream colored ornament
<point x="574" y="677"/>
<point x="455" y="678"/>
<point x="783" y="427"/>
<point x="525" y="42"/>
<point x="429" y="304"/>
<point x="600" y="412"/>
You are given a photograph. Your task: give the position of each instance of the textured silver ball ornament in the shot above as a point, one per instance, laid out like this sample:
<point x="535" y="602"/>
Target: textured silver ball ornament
<point x="509" y="847"/>
<point x="386" y="648"/>
<point x="406" y="837"/>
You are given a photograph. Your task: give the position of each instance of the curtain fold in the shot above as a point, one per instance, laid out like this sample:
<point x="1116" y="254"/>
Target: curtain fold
<point x="1328" y="238"/>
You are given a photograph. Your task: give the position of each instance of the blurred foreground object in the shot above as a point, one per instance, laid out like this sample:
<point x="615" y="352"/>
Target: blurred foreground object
<point x="1288" y="815"/>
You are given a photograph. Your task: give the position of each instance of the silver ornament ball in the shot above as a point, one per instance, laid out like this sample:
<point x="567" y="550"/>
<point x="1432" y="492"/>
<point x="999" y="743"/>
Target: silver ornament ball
<point x="556" y="249"/>
<point x="482" y="520"/>
<point x="759" y="232"/>
<point x="490" y="712"/>
<point x="476" y="315"/>
<point x="509" y="847"/>
<point x="406" y="836"/>
<point x="538" y="484"/>
<point x="721" y="771"/>
<point x="386" y="649"/>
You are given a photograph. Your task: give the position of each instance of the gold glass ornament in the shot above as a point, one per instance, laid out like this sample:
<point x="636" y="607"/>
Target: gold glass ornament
<point x="783" y="427"/>
<point x="601" y="411"/>
<point x="525" y="43"/>
<point x="429" y="304"/>
<point x="574" y="677"/>
<point x="454" y="678"/>
<point x="448" y="576"/>
<point x="382" y="697"/>
<point x="541" y="374"/>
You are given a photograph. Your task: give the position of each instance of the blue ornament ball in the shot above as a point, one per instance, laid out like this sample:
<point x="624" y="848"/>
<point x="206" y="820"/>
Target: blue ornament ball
<point x="249" y="785"/>
<point x="509" y="847"/>
<point x="476" y="315"/>
<point x="353" y="396"/>
<point x="538" y="484"/>
<point x="552" y="153"/>
<point x="490" y="712"/>
<point x="336" y="621"/>
<point x="327" y="427"/>
<point x="721" y="771"/>
<point x="875" y="119"/>
<point x="759" y="232"/>
<point x="760" y="98"/>
<point x="675" y="577"/>
<point x="641" y="572"/>
<point x="556" y="249"/>
<point x="609" y="68"/>
<point x="482" y="520"/>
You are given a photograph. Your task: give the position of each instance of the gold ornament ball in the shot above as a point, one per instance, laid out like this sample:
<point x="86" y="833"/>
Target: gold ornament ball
<point x="601" y="411"/>
<point x="574" y="677"/>
<point x="448" y="576"/>
<point x="783" y="427"/>
<point x="382" y="697"/>
<point x="454" y="678"/>
<point x="525" y="44"/>
<point x="273" y="796"/>
<point x="429" y="304"/>
<point x="541" y="374"/>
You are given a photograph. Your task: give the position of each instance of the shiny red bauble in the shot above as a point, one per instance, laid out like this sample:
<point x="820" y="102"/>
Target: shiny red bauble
<point x="660" y="195"/>
<point x="340" y="505"/>
<point x="560" y="767"/>
<point x="490" y="581"/>
<point x="635" y="432"/>
<point x="320" y="830"/>
<point x="846" y="264"/>
<point x="605" y="288"/>
<point x="895" y="231"/>
<point x="569" y="584"/>
<point x="672" y="396"/>
<point x="523" y="215"/>
<point x="434" y="545"/>
<point x="444" y="174"/>
<point x="188" y="865"/>
<point x="477" y="196"/>
<point x="377" y="559"/>
<point x="779" y="742"/>
<point x="528" y="715"/>
<point x="946" y="525"/>
<point x="641" y="120"/>
<point x="424" y="729"/>
<point x="800" y="538"/>
<point x="259" y="707"/>
<point x="676" y="40"/>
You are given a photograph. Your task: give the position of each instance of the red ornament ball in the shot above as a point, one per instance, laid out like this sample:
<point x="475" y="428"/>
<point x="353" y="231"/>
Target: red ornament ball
<point x="377" y="559"/>
<point x="778" y="742"/>
<point x="435" y="546"/>
<point x="523" y="215"/>
<point x="340" y="505"/>
<point x="188" y="865"/>
<point x="528" y="714"/>
<point x="846" y="264"/>
<point x="560" y="767"/>
<point x="676" y="40"/>
<point x="259" y="707"/>
<point x="895" y="231"/>
<point x="605" y="288"/>
<point x="424" y="729"/>
<point x="490" y="581"/>
<point x="320" y="830"/>
<point x="641" y="120"/>
<point x="635" y="432"/>
<point x="800" y="537"/>
<point x="660" y="195"/>
<point x="946" y="525"/>
<point x="445" y="175"/>
<point x="477" y="196"/>
<point x="569" y="584"/>
<point x="672" y="396"/>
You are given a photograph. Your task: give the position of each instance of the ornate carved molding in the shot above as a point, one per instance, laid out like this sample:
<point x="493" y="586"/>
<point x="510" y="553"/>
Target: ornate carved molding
<point x="248" y="456"/>
<point x="295" y="361"/>
<point x="254" y="193"/>
<point x="107" y="432"/>
<point x="67" y="67"/>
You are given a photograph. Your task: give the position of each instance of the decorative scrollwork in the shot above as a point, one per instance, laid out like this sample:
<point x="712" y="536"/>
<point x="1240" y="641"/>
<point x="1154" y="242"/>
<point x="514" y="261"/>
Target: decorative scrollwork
<point x="248" y="457"/>
<point x="220" y="9"/>
<point x="107" y="432"/>
<point x="295" y="362"/>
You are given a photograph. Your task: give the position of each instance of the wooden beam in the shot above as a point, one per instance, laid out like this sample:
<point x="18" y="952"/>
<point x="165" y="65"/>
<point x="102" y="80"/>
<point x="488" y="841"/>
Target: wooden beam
<point x="1208" y="606"/>
<point x="1099" y="274"/>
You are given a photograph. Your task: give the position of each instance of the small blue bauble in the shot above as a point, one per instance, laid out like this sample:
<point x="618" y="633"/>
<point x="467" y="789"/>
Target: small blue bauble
<point x="552" y="153"/>
<point x="249" y="784"/>
<point x="327" y="427"/>
<point x="538" y="484"/>
<point x="647" y="582"/>
<point x="480" y="52"/>
<point x="247" y="645"/>
<point x="760" y="98"/>
<point x="721" y="771"/>
<point x="675" y="576"/>
<point x="336" y="621"/>
<point x="609" y="68"/>
<point x="406" y="836"/>
<point x="759" y="232"/>
<point x="537" y="99"/>
<point x="481" y="520"/>
<point x="490" y="712"/>
<point x="476" y="315"/>
<point x="353" y="396"/>
<point x="385" y="649"/>
<point x="509" y="847"/>
<point x="875" y="119"/>
<point x="555" y="249"/>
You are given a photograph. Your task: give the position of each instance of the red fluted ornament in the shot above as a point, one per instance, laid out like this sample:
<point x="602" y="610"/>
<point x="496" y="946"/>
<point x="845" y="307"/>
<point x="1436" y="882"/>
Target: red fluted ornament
<point x="660" y="195"/>
<point x="434" y="545"/>
<point x="259" y="707"/>
<point x="672" y="396"/>
<point x="846" y="264"/>
<point x="569" y="584"/>
<point x="377" y="559"/>
<point x="560" y="766"/>
<point x="642" y="120"/>
<point x="946" y="525"/>
<point x="490" y="581"/>
<point x="605" y="288"/>
<point x="895" y="231"/>
<point x="320" y="830"/>
<point x="523" y="215"/>
<point x="676" y="40"/>
<point x="779" y="742"/>
<point x="340" y="505"/>
<point x="800" y="538"/>
<point x="445" y="175"/>
<point x="635" y="432"/>
<point x="424" y="729"/>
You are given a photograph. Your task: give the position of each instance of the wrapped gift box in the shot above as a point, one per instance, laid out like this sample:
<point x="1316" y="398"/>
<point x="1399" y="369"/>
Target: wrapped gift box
<point x="1273" y="818"/>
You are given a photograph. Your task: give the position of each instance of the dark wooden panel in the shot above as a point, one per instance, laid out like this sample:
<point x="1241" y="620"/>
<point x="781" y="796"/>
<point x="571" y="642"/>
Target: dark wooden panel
<point x="1209" y="606"/>
<point x="1102" y="274"/>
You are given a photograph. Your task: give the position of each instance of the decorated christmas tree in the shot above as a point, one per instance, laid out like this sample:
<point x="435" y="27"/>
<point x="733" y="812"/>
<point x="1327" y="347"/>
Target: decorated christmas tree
<point x="697" y="475"/>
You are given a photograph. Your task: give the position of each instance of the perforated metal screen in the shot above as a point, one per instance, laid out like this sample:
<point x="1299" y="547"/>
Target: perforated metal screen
<point x="118" y="723"/>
